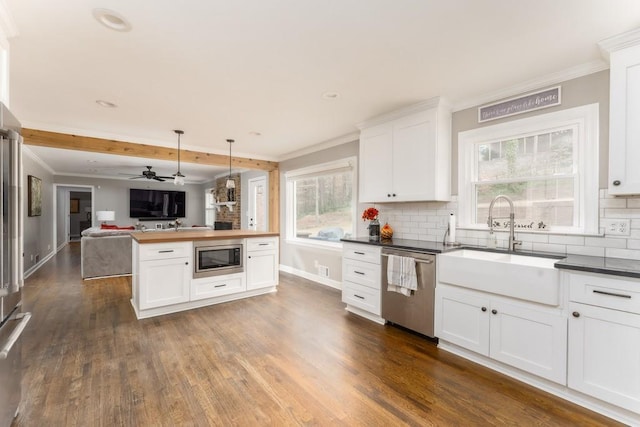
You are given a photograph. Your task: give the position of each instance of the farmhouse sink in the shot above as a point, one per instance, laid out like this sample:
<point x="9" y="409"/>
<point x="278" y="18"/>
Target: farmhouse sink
<point x="525" y="277"/>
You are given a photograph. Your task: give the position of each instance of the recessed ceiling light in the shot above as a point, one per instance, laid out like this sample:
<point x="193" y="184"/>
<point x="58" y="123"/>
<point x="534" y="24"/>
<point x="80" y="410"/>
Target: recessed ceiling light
<point x="254" y="133"/>
<point x="106" y="104"/>
<point x="330" y="95"/>
<point x="112" y="20"/>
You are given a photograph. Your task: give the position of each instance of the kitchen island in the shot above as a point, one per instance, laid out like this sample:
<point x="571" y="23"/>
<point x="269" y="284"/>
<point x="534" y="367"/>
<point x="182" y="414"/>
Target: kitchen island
<point x="166" y="278"/>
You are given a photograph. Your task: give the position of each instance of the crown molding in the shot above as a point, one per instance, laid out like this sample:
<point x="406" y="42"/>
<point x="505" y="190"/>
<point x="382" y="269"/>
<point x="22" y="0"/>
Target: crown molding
<point x="533" y="84"/>
<point x="620" y="41"/>
<point x="436" y="101"/>
<point x="33" y="156"/>
<point x="350" y="137"/>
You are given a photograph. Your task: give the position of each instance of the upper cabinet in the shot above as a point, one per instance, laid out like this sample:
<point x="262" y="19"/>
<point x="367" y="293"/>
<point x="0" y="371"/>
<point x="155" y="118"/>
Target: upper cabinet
<point x="624" y="126"/>
<point x="405" y="156"/>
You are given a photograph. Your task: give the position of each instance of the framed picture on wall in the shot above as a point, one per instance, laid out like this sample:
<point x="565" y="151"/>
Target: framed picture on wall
<point x="34" y="196"/>
<point x="74" y="206"/>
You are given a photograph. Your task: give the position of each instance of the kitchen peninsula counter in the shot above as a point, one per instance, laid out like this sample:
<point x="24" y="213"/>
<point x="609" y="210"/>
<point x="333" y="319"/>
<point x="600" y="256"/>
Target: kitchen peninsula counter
<point x="186" y="235"/>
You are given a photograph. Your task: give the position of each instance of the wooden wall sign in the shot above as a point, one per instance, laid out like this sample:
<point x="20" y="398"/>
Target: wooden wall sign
<point x="522" y="104"/>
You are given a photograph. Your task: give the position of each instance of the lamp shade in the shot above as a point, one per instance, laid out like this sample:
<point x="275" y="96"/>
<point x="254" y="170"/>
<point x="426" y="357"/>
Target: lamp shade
<point x="106" y="215"/>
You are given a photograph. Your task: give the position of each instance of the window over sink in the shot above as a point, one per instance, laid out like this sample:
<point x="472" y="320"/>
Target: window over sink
<point x="546" y="164"/>
<point x="321" y="202"/>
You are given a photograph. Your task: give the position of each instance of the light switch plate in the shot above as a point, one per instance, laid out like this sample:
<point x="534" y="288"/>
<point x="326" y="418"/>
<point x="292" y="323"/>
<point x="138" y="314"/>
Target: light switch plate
<point x="617" y="227"/>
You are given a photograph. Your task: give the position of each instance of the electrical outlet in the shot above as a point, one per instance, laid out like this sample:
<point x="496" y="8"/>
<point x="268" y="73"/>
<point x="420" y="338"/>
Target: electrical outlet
<point x="617" y="227"/>
<point x="323" y="271"/>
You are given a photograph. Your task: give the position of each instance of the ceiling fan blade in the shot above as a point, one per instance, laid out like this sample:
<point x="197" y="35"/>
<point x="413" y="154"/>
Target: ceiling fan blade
<point x="164" y="177"/>
<point x="136" y="177"/>
<point x="157" y="178"/>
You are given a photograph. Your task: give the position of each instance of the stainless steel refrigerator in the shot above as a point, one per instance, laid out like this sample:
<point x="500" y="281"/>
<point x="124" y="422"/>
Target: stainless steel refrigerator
<point x="12" y="319"/>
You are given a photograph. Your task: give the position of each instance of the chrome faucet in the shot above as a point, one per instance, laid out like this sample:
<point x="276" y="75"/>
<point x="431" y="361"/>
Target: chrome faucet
<point x="512" y="238"/>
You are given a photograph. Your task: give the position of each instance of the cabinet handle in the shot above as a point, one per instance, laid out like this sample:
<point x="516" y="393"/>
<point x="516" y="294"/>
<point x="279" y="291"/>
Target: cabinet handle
<point x="494" y="311"/>
<point x="484" y="308"/>
<point x="575" y="314"/>
<point x="358" y="296"/>
<point x="186" y="263"/>
<point x="616" y="182"/>
<point x="359" y="272"/>
<point x="249" y="256"/>
<point x="611" y="294"/>
<point x="394" y="194"/>
<point x="220" y="286"/>
<point x="388" y="195"/>
<point x="358" y="253"/>
<point x="263" y="244"/>
<point x="165" y="251"/>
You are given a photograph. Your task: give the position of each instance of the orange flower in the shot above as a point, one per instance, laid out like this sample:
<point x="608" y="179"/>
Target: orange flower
<point x="370" y="214"/>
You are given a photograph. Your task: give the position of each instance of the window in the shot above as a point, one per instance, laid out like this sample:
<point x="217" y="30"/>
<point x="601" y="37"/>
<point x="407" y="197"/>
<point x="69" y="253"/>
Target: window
<point x="321" y="202"/>
<point x="547" y="165"/>
<point x="209" y="207"/>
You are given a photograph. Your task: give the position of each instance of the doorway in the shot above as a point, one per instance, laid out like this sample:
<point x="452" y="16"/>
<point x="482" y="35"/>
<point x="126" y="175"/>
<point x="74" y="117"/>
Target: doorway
<point x="72" y="213"/>
<point x="257" y="204"/>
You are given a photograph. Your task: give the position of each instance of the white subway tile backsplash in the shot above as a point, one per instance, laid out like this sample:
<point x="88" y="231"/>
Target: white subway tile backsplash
<point x="633" y="203"/>
<point x="585" y="250"/>
<point x="547" y="247"/>
<point x="566" y="240"/>
<point x="613" y="203"/>
<point x="622" y="213"/>
<point x="622" y="253"/>
<point x="606" y="242"/>
<point x="633" y="244"/>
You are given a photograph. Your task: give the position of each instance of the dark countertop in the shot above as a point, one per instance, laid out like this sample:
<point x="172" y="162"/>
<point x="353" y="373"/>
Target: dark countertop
<point x="590" y="264"/>
<point x="594" y="264"/>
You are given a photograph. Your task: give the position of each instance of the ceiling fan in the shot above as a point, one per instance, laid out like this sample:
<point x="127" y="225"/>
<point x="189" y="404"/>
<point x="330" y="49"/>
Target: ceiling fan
<point x="149" y="174"/>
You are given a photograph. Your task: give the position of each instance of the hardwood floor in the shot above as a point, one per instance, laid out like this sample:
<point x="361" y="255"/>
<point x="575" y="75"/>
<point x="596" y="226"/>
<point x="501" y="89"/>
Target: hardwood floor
<point x="291" y="358"/>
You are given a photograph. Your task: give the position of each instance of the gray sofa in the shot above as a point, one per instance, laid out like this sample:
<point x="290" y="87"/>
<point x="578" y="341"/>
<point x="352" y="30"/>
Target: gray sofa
<point x="105" y="253"/>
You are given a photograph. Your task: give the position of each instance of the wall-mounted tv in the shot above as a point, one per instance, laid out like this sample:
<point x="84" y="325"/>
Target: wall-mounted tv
<point x="156" y="204"/>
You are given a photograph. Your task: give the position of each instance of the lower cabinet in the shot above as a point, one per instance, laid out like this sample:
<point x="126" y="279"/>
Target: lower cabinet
<point x="210" y="287"/>
<point x="261" y="263"/>
<point x="519" y="334"/>
<point x="164" y="282"/>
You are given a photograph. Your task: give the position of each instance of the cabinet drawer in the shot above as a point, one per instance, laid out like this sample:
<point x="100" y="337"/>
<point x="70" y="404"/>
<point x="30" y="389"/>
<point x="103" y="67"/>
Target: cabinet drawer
<point x="362" y="252"/>
<point x="262" y="244"/>
<point x="362" y="297"/>
<point x="208" y="287"/>
<point x="605" y="291"/>
<point x="165" y="250"/>
<point x="362" y="273"/>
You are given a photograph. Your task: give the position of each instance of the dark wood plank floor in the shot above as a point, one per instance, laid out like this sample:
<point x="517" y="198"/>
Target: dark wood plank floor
<point x="291" y="358"/>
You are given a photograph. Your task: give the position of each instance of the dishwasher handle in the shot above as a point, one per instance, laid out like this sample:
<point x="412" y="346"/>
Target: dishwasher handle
<point x="421" y="261"/>
<point x="13" y="338"/>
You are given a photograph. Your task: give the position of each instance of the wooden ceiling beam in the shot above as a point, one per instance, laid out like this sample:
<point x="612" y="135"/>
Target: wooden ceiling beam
<point x="65" y="141"/>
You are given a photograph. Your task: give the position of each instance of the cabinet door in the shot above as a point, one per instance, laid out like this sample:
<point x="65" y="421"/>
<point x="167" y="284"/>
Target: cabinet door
<point x="462" y="319"/>
<point x="604" y="354"/>
<point x="414" y="157"/>
<point x="624" y="126"/>
<point x="375" y="176"/>
<point x="530" y="340"/>
<point x="164" y="282"/>
<point x="262" y="269"/>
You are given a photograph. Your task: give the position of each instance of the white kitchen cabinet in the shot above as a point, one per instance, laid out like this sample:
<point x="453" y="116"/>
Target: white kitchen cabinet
<point x="624" y="110"/>
<point x="164" y="278"/>
<point x="361" y="282"/>
<point x="604" y="339"/>
<point x="519" y="334"/>
<point x="405" y="155"/>
<point x="215" y="286"/>
<point x="261" y="262"/>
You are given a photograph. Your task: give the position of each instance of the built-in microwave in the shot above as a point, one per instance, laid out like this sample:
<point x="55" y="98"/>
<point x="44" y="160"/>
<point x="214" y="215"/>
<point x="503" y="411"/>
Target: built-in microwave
<point x="217" y="257"/>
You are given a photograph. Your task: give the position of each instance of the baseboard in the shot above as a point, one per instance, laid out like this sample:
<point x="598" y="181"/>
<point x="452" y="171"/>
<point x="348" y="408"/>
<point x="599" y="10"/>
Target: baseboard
<point x="42" y="262"/>
<point x="313" y="277"/>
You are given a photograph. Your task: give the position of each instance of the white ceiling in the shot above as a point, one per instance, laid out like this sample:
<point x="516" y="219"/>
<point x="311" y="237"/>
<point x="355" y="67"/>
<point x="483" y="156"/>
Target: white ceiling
<point x="224" y="69"/>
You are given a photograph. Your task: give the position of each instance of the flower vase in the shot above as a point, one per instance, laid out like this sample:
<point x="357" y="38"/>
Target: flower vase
<point x="374" y="230"/>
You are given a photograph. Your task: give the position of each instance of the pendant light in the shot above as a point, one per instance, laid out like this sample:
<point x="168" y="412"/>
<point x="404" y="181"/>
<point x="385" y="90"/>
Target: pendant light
<point x="231" y="184"/>
<point x="178" y="178"/>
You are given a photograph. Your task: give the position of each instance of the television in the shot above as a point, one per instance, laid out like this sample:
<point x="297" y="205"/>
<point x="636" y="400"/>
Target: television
<point x="156" y="204"/>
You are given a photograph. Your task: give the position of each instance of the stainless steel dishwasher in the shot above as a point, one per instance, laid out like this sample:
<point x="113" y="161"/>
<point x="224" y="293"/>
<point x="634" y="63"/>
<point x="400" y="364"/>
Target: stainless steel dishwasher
<point x="415" y="312"/>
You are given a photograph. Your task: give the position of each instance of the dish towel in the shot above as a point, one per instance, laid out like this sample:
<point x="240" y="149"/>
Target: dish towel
<point x="401" y="275"/>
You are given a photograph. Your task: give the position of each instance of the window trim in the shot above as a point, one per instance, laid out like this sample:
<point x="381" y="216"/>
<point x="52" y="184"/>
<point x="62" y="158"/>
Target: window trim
<point x="584" y="118"/>
<point x="314" y="170"/>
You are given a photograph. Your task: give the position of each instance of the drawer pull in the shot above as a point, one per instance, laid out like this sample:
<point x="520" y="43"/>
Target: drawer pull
<point x="494" y="311"/>
<point x="358" y="253"/>
<point x="359" y="272"/>
<point x="484" y="308"/>
<point x="595" y="291"/>
<point x="575" y="314"/>
<point x="166" y="251"/>
<point x="358" y="296"/>
<point x="220" y="286"/>
<point x="264" y="244"/>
